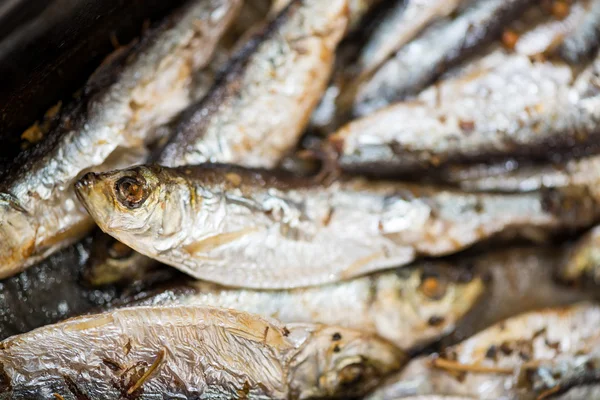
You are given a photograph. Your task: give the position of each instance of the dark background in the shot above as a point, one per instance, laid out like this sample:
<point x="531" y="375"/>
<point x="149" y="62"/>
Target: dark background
<point x="48" y="48"/>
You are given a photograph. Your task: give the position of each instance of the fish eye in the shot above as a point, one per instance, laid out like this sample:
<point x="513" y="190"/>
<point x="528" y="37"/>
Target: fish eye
<point x="351" y="374"/>
<point x="131" y="191"/>
<point x="433" y="287"/>
<point x="119" y="251"/>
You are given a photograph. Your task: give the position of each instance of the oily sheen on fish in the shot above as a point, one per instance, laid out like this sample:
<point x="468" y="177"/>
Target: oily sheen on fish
<point x="133" y="92"/>
<point x="258" y="108"/>
<point x="411" y="307"/>
<point x="517" y="108"/>
<point x="261" y="229"/>
<point x="191" y="353"/>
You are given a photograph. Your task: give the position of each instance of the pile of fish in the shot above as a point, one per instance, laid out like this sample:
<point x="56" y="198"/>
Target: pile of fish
<point x="301" y="199"/>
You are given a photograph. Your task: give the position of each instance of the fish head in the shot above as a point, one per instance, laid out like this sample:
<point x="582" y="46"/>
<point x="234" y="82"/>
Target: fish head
<point x="127" y="204"/>
<point x="335" y="362"/>
<point x="581" y="265"/>
<point x="421" y="303"/>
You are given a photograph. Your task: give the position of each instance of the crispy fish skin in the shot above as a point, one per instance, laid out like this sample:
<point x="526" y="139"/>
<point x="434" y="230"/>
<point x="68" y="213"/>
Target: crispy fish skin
<point x="438" y="48"/>
<point x="38" y="210"/>
<point x="259" y="107"/>
<point x="531" y="356"/>
<point x="411" y="307"/>
<point x="515" y="109"/>
<point x="191" y="353"/>
<point x="259" y="229"/>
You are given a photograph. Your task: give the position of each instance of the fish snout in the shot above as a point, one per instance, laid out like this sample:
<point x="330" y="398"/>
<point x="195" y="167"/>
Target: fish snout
<point x="87" y="181"/>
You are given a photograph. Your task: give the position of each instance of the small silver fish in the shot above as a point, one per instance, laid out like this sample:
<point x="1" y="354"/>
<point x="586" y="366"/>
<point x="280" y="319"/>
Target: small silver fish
<point x="400" y="25"/>
<point x="513" y="177"/>
<point x="536" y="355"/>
<point x="133" y="92"/>
<point x="259" y="229"/>
<point x="191" y="353"/>
<point x="411" y="307"/>
<point x="548" y="33"/>
<point x="259" y="107"/>
<point x="441" y="46"/>
<point x="515" y="109"/>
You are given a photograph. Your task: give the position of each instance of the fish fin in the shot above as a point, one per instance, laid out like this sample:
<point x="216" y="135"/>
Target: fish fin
<point x="212" y="242"/>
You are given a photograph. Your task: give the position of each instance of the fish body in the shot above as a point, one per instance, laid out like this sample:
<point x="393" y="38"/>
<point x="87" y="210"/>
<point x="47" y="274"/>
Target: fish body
<point x="582" y="43"/>
<point x="259" y="229"/>
<point x="530" y="356"/>
<point x="399" y="26"/>
<point x="260" y="105"/>
<point x="191" y="353"/>
<point x="520" y="279"/>
<point x="512" y="177"/>
<point x="539" y="34"/>
<point x="411" y="307"/>
<point x="517" y="109"/>
<point x="441" y="46"/>
<point x="136" y="90"/>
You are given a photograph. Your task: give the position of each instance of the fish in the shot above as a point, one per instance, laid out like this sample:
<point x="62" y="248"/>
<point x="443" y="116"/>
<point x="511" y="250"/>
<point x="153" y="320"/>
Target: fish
<point x="390" y="29"/>
<point x="265" y="229"/>
<point x="539" y="34"/>
<point x="536" y="355"/>
<point x="190" y="353"/>
<point x="518" y="109"/>
<point x="443" y="45"/>
<point x="134" y="91"/>
<point x="401" y="23"/>
<point x="411" y="307"/>
<point x="54" y="289"/>
<point x="279" y="72"/>
<point x="357" y="9"/>
<point x="519" y="279"/>
<point x="513" y="176"/>
<point x="581" y="263"/>
<point x="582" y="44"/>
<point x="113" y="263"/>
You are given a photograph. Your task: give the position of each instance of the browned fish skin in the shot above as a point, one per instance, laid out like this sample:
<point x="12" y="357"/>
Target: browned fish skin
<point x="109" y="127"/>
<point x="205" y="219"/>
<point x="260" y="105"/>
<point x="438" y="48"/>
<point x="532" y="111"/>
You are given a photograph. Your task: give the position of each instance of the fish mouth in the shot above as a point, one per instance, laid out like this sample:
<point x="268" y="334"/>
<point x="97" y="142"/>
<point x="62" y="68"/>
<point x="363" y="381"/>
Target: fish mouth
<point x="84" y="186"/>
